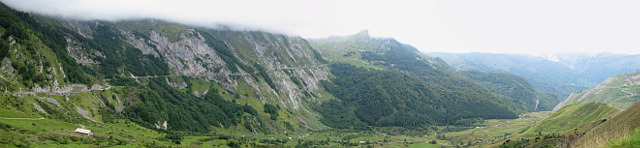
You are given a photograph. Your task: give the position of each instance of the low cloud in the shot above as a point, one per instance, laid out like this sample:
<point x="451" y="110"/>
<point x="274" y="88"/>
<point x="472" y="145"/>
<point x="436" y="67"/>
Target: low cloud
<point x="538" y="27"/>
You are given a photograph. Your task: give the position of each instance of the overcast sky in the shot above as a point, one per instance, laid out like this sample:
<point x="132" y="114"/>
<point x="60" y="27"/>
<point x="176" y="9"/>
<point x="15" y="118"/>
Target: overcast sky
<point x="540" y="27"/>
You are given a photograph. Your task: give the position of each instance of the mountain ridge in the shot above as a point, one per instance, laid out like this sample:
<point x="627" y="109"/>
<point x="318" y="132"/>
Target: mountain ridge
<point x="620" y="91"/>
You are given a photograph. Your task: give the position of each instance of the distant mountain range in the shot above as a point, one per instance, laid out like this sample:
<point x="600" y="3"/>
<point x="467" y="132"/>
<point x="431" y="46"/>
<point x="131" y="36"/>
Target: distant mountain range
<point x="599" y="66"/>
<point x="560" y="74"/>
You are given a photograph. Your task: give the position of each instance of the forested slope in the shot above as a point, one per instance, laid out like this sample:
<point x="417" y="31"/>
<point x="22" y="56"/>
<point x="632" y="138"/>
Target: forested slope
<point x="513" y="88"/>
<point x="402" y="86"/>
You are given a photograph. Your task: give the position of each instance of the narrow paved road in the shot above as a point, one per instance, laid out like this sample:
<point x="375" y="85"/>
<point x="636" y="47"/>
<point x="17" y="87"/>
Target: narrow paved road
<point x="22" y="118"/>
<point x="627" y="92"/>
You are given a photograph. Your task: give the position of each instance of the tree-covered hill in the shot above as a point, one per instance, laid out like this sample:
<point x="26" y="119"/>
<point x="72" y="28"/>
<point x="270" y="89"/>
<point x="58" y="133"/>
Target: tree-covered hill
<point x="391" y="98"/>
<point x="514" y="89"/>
<point x="544" y="75"/>
<point x="403" y="87"/>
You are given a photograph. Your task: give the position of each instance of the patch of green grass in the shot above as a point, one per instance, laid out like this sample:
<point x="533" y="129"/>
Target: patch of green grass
<point x="495" y="129"/>
<point x="424" y="145"/>
<point x="619" y="126"/>
<point x="200" y="85"/>
<point x="7" y="113"/>
<point x="632" y="140"/>
<point x="572" y="116"/>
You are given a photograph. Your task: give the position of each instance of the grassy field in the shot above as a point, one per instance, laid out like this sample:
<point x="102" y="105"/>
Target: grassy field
<point x="56" y="130"/>
<point x="53" y="133"/>
<point x="620" y="126"/>
<point x="572" y="116"/>
<point x="494" y="129"/>
<point x="582" y="125"/>
<point x="632" y="140"/>
<point x="123" y="133"/>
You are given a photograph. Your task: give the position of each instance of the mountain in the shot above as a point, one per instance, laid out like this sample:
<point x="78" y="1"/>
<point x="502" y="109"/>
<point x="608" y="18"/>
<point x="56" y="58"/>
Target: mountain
<point x="425" y="89"/>
<point x="513" y="88"/>
<point x="164" y="76"/>
<point x="361" y="49"/>
<point x="620" y="91"/>
<point x="544" y="75"/>
<point x="599" y="66"/>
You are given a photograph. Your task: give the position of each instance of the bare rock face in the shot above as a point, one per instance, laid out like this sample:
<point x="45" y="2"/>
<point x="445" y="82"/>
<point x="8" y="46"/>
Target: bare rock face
<point x="84" y="113"/>
<point x="82" y="28"/>
<point x="81" y="55"/>
<point x="40" y="109"/>
<point x="120" y="104"/>
<point x="283" y="58"/>
<point x="195" y="93"/>
<point x="51" y="100"/>
<point x="190" y="55"/>
<point x="6" y="67"/>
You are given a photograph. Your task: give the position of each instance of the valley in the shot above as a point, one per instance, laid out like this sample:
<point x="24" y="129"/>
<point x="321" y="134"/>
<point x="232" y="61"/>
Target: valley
<point x="148" y="82"/>
<point x="481" y="134"/>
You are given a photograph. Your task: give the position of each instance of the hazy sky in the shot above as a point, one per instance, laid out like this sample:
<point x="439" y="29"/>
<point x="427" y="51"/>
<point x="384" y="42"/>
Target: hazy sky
<point x="540" y="27"/>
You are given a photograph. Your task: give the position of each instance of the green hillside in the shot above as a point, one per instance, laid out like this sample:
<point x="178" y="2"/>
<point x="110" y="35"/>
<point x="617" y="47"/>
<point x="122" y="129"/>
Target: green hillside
<point x="390" y="98"/>
<point x="514" y="89"/>
<point x="562" y="128"/>
<point x="573" y="116"/>
<point x="161" y="81"/>
<point x="633" y="140"/>
<point x="403" y="87"/>
<point x="618" y="130"/>
<point x="544" y="75"/>
<point x="620" y="91"/>
<point x="365" y="51"/>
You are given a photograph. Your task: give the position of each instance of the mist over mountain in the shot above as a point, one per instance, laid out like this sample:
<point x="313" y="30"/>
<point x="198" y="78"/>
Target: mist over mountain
<point x="599" y="66"/>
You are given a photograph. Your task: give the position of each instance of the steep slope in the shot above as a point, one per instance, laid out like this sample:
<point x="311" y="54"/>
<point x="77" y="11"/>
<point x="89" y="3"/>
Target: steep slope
<point x="565" y="127"/>
<point x="543" y="74"/>
<point x="632" y="140"/>
<point x="620" y="91"/>
<point x="514" y="89"/>
<point x="164" y="76"/>
<point x="220" y="54"/>
<point x="621" y="125"/>
<point x="402" y="86"/>
<point x="573" y="116"/>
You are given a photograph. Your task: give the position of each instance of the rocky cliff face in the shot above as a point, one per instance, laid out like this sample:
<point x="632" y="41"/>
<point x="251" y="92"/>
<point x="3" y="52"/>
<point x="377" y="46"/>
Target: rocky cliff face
<point x="159" y="74"/>
<point x="291" y="65"/>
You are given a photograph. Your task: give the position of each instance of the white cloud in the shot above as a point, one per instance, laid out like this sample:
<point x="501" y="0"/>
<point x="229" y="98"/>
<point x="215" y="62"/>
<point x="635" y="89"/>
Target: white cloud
<point x="505" y="26"/>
